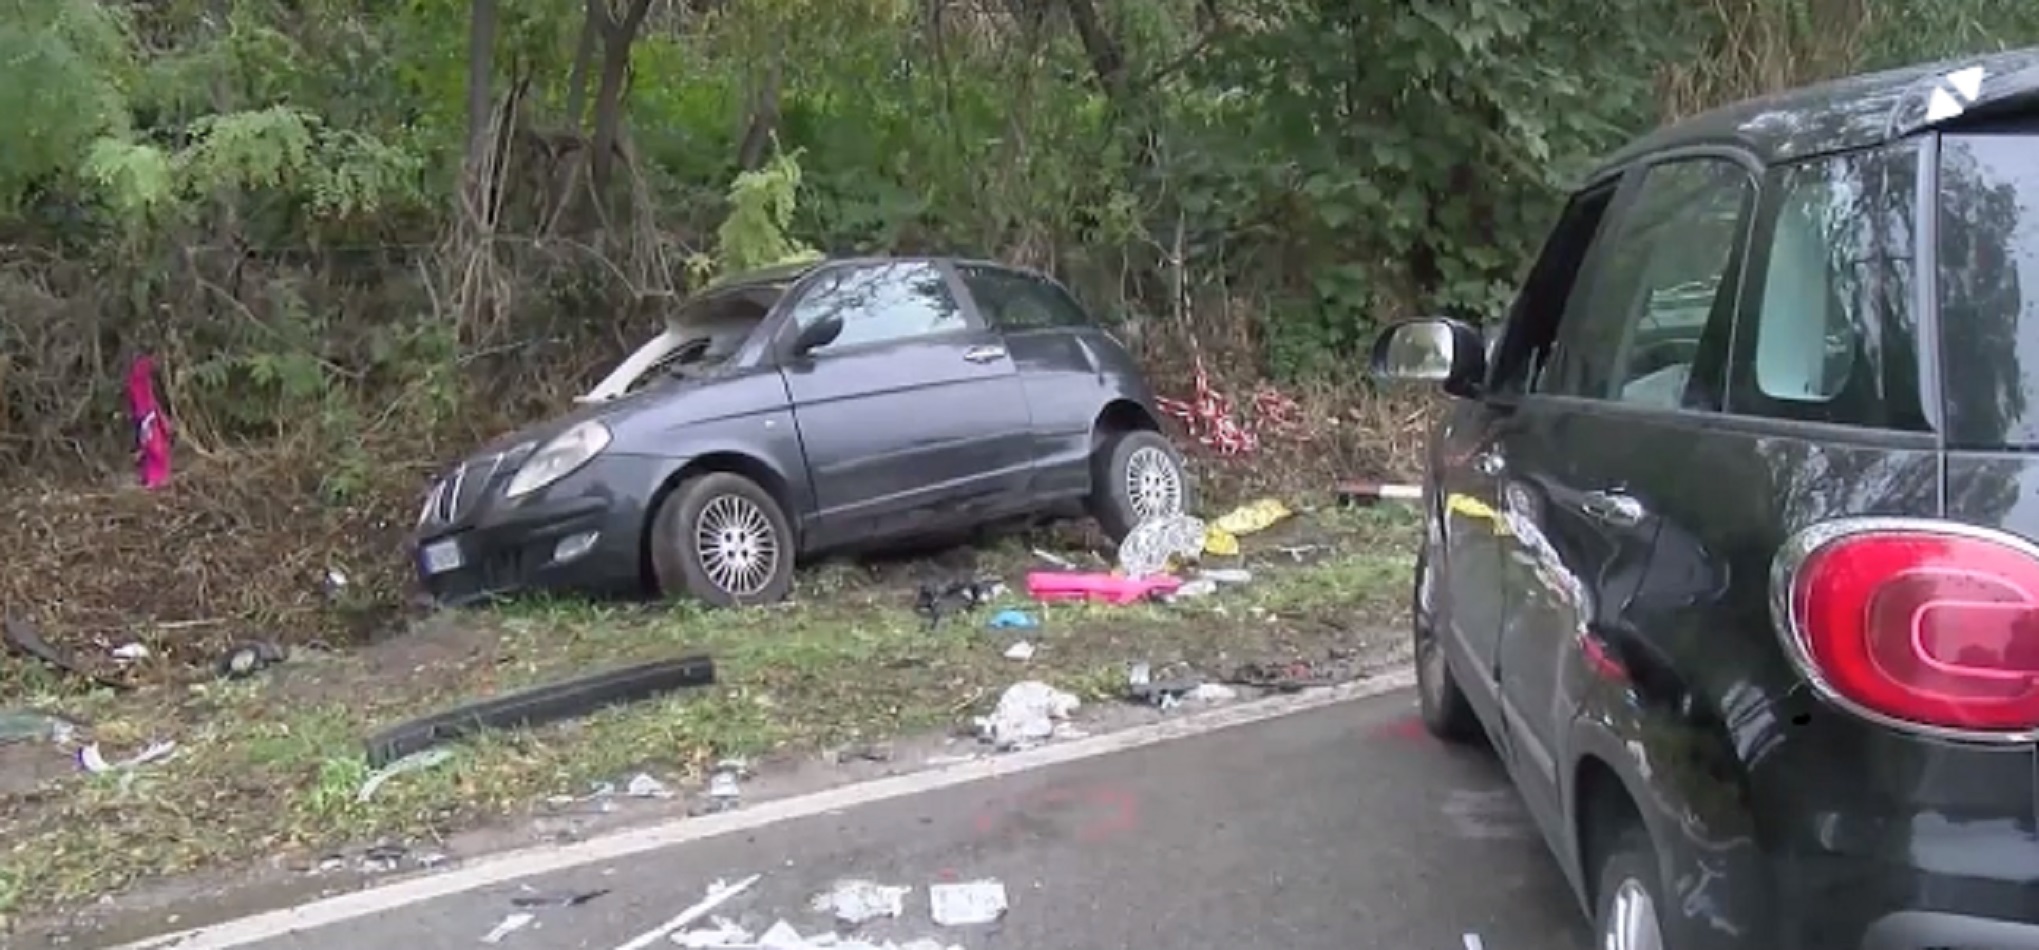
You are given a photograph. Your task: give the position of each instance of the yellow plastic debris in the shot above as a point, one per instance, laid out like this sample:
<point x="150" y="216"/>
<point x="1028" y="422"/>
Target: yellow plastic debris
<point x="1258" y="516"/>
<point x="1220" y="542"/>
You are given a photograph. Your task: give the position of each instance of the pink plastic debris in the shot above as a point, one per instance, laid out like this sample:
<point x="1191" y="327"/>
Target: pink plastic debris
<point x="1110" y="588"/>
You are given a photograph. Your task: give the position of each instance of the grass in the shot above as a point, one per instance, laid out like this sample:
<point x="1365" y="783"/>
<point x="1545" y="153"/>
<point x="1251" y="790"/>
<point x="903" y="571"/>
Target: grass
<point x="271" y="766"/>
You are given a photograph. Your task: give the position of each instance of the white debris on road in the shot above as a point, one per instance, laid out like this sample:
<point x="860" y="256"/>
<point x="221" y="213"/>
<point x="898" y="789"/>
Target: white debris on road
<point x="782" y="936"/>
<point x="855" y="902"/>
<point x="1027" y="713"/>
<point x="963" y="905"/>
<point x="510" y="925"/>
<point x="718" y="892"/>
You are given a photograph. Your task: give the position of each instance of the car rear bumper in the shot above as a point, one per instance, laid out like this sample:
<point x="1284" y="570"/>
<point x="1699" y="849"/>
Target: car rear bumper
<point x="580" y="535"/>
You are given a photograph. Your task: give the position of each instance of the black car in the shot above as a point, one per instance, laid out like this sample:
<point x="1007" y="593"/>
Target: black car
<point x="803" y="409"/>
<point x="1731" y="536"/>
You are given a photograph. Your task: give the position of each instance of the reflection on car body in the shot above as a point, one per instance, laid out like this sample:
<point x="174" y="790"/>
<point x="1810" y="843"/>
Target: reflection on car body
<point x="807" y="408"/>
<point x="1760" y="642"/>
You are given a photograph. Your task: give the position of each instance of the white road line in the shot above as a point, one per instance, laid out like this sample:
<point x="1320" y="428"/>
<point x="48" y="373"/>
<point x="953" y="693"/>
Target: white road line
<point x="508" y="866"/>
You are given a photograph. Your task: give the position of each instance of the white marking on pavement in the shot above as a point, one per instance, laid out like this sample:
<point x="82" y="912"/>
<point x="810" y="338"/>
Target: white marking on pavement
<point x="509" y="866"/>
<point x="717" y="894"/>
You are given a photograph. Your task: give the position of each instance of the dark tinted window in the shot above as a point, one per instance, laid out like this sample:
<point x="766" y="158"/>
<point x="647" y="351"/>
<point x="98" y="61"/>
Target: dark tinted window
<point x="1637" y="332"/>
<point x="1831" y="318"/>
<point x="881" y="303"/>
<point x="1989" y="285"/>
<point x="1525" y="342"/>
<point x="1015" y="301"/>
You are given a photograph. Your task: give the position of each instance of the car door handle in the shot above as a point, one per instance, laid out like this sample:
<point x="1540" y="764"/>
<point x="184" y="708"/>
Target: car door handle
<point x="1488" y="463"/>
<point x="983" y="354"/>
<point x="1613" y="507"/>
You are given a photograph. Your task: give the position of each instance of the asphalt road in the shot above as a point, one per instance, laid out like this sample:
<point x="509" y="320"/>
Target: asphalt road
<point x="1342" y="828"/>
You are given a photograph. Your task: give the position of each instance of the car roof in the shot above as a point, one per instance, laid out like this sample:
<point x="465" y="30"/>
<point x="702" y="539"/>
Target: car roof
<point x="1855" y="112"/>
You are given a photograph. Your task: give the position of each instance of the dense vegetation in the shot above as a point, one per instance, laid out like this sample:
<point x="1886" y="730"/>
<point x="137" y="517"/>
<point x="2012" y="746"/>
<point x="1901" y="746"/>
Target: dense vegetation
<point x="355" y="234"/>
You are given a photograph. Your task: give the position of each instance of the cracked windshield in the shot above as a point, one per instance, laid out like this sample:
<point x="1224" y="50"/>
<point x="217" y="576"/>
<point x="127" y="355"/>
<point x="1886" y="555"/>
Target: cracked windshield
<point x="1025" y="474"/>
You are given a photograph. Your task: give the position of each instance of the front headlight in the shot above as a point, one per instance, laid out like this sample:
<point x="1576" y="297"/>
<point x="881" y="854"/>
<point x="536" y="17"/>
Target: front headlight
<point x="558" y="458"/>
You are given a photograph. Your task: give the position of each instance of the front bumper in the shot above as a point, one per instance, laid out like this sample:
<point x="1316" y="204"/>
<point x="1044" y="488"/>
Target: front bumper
<point x="583" y="534"/>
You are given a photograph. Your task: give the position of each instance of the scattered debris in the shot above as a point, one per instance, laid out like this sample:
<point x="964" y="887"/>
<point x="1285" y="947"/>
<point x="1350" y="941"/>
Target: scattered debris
<point x="542" y="704"/>
<point x="644" y="786"/>
<point x="1021" y="651"/>
<point x="1201" y="587"/>
<point x="334" y="583"/>
<point x="569" y="899"/>
<point x="1155" y="544"/>
<point x="935" y="602"/>
<point x="1473" y="942"/>
<point x="856" y="902"/>
<point x="27" y="725"/>
<point x="1213" y="693"/>
<point x="724" y="933"/>
<point x="1227" y="576"/>
<point x="967" y="904"/>
<point x="1027" y="713"/>
<point x="1297" y="552"/>
<point x="90" y="757"/>
<point x="1055" y="559"/>
<point x="152" y="430"/>
<point x="131" y="652"/>
<point x="1110" y="588"/>
<point x="510" y="924"/>
<point x="415" y="762"/>
<point x="718" y="893"/>
<point x="1364" y="493"/>
<point x="22" y="638"/>
<point x="243" y="660"/>
<point x="724" y="789"/>
<point x="1254" y="517"/>
<point x="1012" y="618"/>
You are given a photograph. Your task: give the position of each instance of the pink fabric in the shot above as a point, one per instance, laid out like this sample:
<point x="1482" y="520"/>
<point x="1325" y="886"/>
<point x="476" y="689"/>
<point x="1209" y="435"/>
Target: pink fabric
<point x="1110" y="588"/>
<point x="152" y="432"/>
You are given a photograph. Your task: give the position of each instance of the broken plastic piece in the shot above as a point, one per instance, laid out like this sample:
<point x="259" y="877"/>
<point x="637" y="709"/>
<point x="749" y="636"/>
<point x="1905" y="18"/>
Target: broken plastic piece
<point x="1227" y="575"/>
<point x="1021" y="651"/>
<point x="644" y="786"/>
<point x="1201" y="587"/>
<point x="1055" y="559"/>
<point x="963" y="905"/>
<point x="1050" y="586"/>
<point x="131" y="651"/>
<point x="93" y="761"/>
<point x="724" y="933"/>
<point x="856" y="901"/>
<point x="1027" y="713"/>
<point x="571" y="899"/>
<point x="247" y="659"/>
<point x="1012" y="618"/>
<point x="724" y="789"/>
<point x="415" y="762"/>
<point x="1213" y="693"/>
<point x="1253" y="518"/>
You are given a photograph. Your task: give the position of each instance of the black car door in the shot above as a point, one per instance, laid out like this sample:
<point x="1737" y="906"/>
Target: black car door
<point x="1470" y="467"/>
<point x="1604" y="436"/>
<point x="913" y="418"/>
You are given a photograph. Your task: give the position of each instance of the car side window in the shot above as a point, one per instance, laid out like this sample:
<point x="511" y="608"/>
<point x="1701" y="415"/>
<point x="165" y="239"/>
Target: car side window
<point x="1651" y="329"/>
<point x="1518" y="354"/>
<point x="1830" y="315"/>
<point x="1012" y="301"/>
<point x="881" y="303"/>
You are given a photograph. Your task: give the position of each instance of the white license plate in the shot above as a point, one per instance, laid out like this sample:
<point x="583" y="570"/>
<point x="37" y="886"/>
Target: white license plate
<point x="440" y="557"/>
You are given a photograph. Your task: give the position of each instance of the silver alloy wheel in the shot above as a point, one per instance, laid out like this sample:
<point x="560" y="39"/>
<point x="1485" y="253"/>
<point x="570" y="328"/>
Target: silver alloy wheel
<point x="738" y="549"/>
<point x="1632" y="921"/>
<point x="1153" y="484"/>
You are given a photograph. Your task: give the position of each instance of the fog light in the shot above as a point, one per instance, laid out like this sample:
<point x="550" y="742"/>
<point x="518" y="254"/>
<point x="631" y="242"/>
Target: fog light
<point x="574" y="545"/>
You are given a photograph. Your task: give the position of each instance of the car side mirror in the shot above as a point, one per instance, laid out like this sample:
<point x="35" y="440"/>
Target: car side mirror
<point x="818" y="334"/>
<point x="1432" y="350"/>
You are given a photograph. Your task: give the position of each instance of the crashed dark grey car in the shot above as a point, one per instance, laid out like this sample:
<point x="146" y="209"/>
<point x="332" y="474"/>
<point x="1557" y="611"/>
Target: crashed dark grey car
<point x="794" y="411"/>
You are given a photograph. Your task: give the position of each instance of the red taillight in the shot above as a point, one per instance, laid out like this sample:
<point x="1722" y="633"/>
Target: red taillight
<point x="1923" y="623"/>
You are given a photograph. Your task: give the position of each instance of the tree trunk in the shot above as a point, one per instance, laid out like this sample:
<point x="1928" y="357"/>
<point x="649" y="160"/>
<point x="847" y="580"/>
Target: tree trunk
<point x="617" y="37"/>
<point x="481" y="71"/>
<point x="1106" y="60"/>
<point x="583" y="60"/>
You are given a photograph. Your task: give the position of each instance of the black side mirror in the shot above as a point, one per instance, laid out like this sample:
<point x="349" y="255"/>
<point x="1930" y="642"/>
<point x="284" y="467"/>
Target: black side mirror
<point x="1432" y="350"/>
<point x="818" y="334"/>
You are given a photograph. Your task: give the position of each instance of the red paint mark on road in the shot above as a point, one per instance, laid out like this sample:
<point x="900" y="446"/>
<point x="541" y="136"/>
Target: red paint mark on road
<point x="1098" y="812"/>
<point x="1407" y="728"/>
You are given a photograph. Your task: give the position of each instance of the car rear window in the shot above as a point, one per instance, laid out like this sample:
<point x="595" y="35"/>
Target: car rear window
<point x="1988" y="277"/>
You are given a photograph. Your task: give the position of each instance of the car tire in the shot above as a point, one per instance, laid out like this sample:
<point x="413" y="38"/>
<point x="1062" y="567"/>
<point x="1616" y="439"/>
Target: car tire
<point x="1629" y="901"/>
<point x="1446" y="712"/>
<point x="723" y="540"/>
<point x="1130" y="475"/>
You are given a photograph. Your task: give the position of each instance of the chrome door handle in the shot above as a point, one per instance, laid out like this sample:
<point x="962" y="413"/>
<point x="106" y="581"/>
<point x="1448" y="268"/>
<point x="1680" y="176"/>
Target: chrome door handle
<point x="1488" y="463"/>
<point x="983" y="354"/>
<point x="1613" y="507"/>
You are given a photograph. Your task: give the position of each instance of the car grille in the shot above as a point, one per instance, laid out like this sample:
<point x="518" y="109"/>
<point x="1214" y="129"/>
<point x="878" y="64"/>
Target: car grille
<point x="455" y="495"/>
